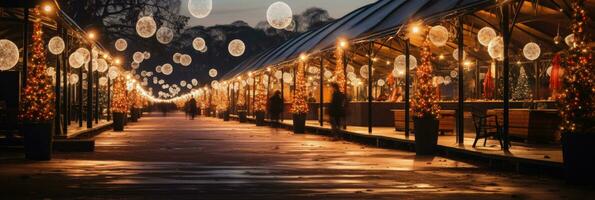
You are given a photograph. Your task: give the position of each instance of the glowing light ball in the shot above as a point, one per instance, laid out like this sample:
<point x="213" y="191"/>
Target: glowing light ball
<point x="278" y="74"/>
<point x="380" y="82"/>
<point x="194" y="82"/>
<point x="496" y="48"/>
<point x="399" y="63"/>
<point x="438" y="35"/>
<point x="75" y="60"/>
<point x="328" y="74"/>
<point x="212" y="73"/>
<point x="183" y="83"/>
<point x="95" y="52"/>
<point x="167" y="69"/>
<point x="363" y="71"/>
<point x="176" y="57"/>
<point x="350" y="69"/>
<point x="112" y="72"/>
<point x="531" y="51"/>
<point x="161" y="82"/>
<point x="85" y="54"/>
<point x="455" y="54"/>
<point x="287" y="78"/>
<point x="56" y="45"/>
<point x="454" y="73"/>
<point x="101" y="65"/>
<point x="189" y="86"/>
<point x="215" y="84"/>
<point x="548" y="71"/>
<point x="149" y="74"/>
<point x="50" y="71"/>
<point x="203" y="50"/>
<point x="185" y="60"/>
<point x="199" y="43"/>
<point x="147" y="55"/>
<point x="103" y="81"/>
<point x="158" y="69"/>
<point x="146" y="27"/>
<point x="134" y="65"/>
<point x="137" y="76"/>
<point x="438" y="80"/>
<point x="73" y="79"/>
<point x="138" y="57"/>
<point x="397" y="73"/>
<point x="143" y="73"/>
<point x="165" y="35"/>
<point x="279" y="15"/>
<point x="447" y="80"/>
<point x="9" y="54"/>
<point x="155" y="80"/>
<point x="485" y="35"/>
<point x="121" y="44"/>
<point x="351" y="76"/>
<point x="243" y="83"/>
<point x="250" y="81"/>
<point x="236" y="47"/>
<point x="200" y="8"/>
<point x="569" y="40"/>
<point x="313" y="70"/>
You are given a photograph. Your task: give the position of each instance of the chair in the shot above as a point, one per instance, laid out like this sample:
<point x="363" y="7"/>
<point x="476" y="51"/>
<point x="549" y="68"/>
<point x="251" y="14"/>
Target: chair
<point x="487" y="126"/>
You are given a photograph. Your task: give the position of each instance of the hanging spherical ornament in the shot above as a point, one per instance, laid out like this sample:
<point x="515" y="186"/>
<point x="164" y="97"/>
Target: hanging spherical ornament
<point x="351" y="76"/>
<point x="438" y="35"/>
<point x="327" y="74"/>
<point x="161" y="82"/>
<point x="313" y="70"/>
<point x="185" y="60"/>
<point x="236" y="47"/>
<point x="76" y="60"/>
<point x="279" y="74"/>
<point x="134" y="65"/>
<point x="155" y="80"/>
<point x="455" y="54"/>
<point x="112" y="72"/>
<point x="194" y="82"/>
<point x="250" y="81"/>
<point x="291" y="26"/>
<point x="143" y="73"/>
<point x="243" y="83"/>
<point x="279" y="15"/>
<point x="399" y="63"/>
<point x="165" y="35"/>
<point x="199" y="43"/>
<point x="167" y="69"/>
<point x="73" y="79"/>
<point x="439" y="80"/>
<point x="147" y="55"/>
<point x="212" y="73"/>
<point x="200" y="8"/>
<point x="136" y="76"/>
<point x="569" y="39"/>
<point x="287" y="77"/>
<point x="454" y="73"/>
<point x="95" y="52"/>
<point x="56" y="45"/>
<point x="138" y="57"/>
<point x="50" y="71"/>
<point x="350" y="68"/>
<point x="485" y="35"/>
<point x="103" y="81"/>
<point x="496" y="48"/>
<point x="149" y="74"/>
<point x="101" y="65"/>
<point x="121" y="44"/>
<point x="176" y="57"/>
<point x="85" y="54"/>
<point x="165" y="86"/>
<point x="531" y="51"/>
<point x="158" y="69"/>
<point x="548" y="71"/>
<point x="215" y="84"/>
<point x="363" y="71"/>
<point x="9" y="54"/>
<point x="146" y="27"/>
<point x="189" y="86"/>
<point x="183" y="83"/>
<point x="380" y="82"/>
<point x="447" y="80"/>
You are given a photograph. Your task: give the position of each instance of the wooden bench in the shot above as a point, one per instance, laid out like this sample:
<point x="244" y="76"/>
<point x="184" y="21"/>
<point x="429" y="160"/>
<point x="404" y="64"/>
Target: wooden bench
<point x="532" y="125"/>
<point x="447" y="120"/>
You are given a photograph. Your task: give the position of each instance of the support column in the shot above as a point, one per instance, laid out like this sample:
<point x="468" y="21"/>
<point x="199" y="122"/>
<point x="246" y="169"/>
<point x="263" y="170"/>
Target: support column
<point x="80" y="96"/>
<point x="506" y="71"/>
<point x="90" y="90"/>
<point x="25" y="47"/>
<point x="321" y="98"/>
<point x="407" y="82"/>
<point x="370" y="62"/>
<point x="461" y="100"/>
<point x="109" y="99"/>
<point x="65" y="98"/>
<point x="282" y="93"/>
<point x="96" y="97"/>
<point x="58" y="89"/>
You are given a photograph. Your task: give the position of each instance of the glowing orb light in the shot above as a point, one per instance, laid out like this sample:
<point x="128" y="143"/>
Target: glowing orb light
<point x="194" y="82"/>
<point x="121" y="44"/>
<point x="165" y="35"/>
<point x="183" y="83"/>
<point x="279" y="15"/>
<point x="236" y="47"/>
<point x="363" y="71"/>
<point x="147" y="55"/>
<point x="176" y="57"/>
<point x="75" y="60"/>
<point x="380" y="82"/>
<point x="101" y="65"/>
<point x="438" y="35"/>
<point x="134" y="65"/>
<point x="167" y="69"/>
<point x="278" y="74"/>
<point x="112" y="72"/>
<point x="146" y="27"/>
<point x="531" y="51"/>
<point x="56" y="45"/>
<point x="200" y="8"/>
<point x="138" y="57"/>
<point x="455" y="54"/>
<point x="496" y="48"/>
<point x="85" y="54"/>
<point x="185" y="60"/>
<point x="569" y="40"/>
<point x="73" y="79"/>
<point x="399" y="63"/>
<point x="158" y="69"/>
<point x="103" y="81"/>
<point x="199" y="43"/>
<point x="212" y="73"/>
<point x="485" y="35"/>
<point x="9" y="54"/>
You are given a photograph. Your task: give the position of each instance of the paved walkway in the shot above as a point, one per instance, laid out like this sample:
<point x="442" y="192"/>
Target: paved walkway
<point x="175" y="158"/>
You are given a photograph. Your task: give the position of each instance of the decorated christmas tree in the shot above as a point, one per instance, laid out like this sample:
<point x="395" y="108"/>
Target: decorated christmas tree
<point x="522" y="90"/>
<point x="425" y="101"/>
<point x="299" y="105"/>
<point x="260" y="103"/>
<point x="120" y="99"/>
<point x="37" y="104"/>
<point x="577" y="100"/>
<point x="339" y="68"/>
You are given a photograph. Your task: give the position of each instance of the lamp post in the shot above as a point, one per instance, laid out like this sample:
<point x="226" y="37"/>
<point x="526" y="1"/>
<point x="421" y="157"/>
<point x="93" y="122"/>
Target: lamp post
<point x="91" y="36"/>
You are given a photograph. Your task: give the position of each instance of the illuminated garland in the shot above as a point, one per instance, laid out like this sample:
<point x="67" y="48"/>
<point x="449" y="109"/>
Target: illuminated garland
<point x="222" y="101"/>
<point x="339" y="71"/>
<point x="37" y="104"/>
<point x="260" y="103"/>
<point x="241" y="99"/>
<point x="577" y="100"/>
<point x="132" y="98"/>
<point x="424" y="102"/>
<point x="119" y="100"/>
<point x="299" y="105"/>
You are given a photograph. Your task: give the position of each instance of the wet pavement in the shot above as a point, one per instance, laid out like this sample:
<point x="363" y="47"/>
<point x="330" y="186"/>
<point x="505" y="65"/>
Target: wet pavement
<point x="174" y="158"/>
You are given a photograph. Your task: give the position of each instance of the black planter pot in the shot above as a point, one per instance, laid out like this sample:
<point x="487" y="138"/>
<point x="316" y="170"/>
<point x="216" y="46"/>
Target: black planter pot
<point x="243" y="116"/>
<point x="260" y="118"/>
<point x="299" y="123"/>
<point x="226" y="116"/>
<point x="119" y="121"/>
<point x="579" y="158"/>
<point x="426" y="135"/>
<point x="134" y="115"/>
<point x="38" y="140"/>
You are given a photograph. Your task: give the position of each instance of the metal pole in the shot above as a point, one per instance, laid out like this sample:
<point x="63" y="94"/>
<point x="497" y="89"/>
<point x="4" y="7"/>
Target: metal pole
<point x="90" y="91"/>
<point x="370" y="62"/>
<point x="65" y="99"/>
<point x="407" y="77"/>
<point x="58" y="90"/>
<point x="109" y="99"/>
<point x="80" y="96"/>
<point x="25" y="46"/>
<point x="505" y="97"/>
<point x="461" y="100"/>
<point x="321" y="104"/>
<point x="282" y="93"/>
<point x="96" y="97"/>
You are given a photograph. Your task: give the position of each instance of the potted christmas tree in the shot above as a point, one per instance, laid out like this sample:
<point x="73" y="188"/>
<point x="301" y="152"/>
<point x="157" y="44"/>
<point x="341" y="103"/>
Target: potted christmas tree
<point x="577" y="103"/>
<point x="119" y="103"/>
<point x="424" y="106"/>
<point x="37" y="104"/>
<point x="133" y="97"/>
<point x="260" y="103"/>
<point x="299" y="106"/>
<point x="242" y="112"/>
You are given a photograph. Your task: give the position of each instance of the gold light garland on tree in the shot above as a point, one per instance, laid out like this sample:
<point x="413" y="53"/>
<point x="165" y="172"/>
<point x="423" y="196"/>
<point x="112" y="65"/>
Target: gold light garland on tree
<point x="38" y="96"/>
<point x="577" y="101"/>
<point x="119" y="100"/>
<point x="299" y="105"/>
<point x="339" y="68"/>
<point x="133" y="98"/>
<point x="260" y="103"/>
<point x="241" y="99"/>
<point x="425" y="100"/>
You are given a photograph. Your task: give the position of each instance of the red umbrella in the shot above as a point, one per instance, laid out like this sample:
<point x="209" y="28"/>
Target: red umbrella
<point x="555" y="73"/>
<point x="488" y="85"/>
